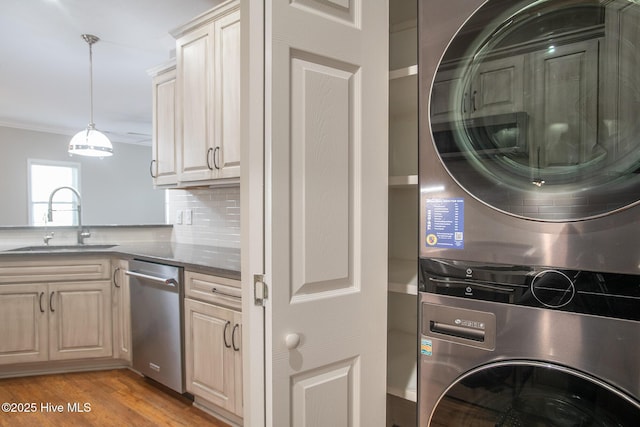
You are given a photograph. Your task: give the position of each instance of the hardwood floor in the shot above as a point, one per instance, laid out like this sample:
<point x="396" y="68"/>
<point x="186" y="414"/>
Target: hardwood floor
<point x="108" y="398"/>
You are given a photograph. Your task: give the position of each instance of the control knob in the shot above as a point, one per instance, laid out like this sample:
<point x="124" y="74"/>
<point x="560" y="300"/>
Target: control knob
<point x="553" y="288"/>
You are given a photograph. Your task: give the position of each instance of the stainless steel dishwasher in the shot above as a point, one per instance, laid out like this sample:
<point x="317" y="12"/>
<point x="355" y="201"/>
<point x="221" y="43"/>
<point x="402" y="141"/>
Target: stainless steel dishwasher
<point x="156" y="322"/>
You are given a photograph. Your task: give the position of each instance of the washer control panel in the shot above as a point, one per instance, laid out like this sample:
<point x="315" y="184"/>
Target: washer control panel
<point x="599" y="293"/>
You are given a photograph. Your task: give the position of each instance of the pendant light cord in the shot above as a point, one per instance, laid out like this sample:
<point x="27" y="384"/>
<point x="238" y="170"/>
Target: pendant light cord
<point x="91" y="85"/>
<point x="90" y="39"/>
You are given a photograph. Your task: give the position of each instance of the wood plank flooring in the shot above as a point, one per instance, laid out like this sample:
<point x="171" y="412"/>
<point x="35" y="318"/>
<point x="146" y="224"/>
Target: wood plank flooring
<point x="108" y="398"/>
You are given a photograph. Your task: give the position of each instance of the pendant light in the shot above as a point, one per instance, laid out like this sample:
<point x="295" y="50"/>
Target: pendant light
<point x="90" y="142"/>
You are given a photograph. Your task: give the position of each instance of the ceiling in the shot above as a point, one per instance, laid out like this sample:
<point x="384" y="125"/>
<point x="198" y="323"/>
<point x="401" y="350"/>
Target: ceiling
<point x="44" y="71"/>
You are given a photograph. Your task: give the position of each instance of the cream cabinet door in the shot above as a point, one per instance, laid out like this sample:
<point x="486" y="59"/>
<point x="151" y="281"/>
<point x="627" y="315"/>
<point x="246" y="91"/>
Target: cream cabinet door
<point x="236" y="345"/>
<point x="121" y="312"/>
<point x="209" y="353"/>
<point x="80" y="320"/>
<point x="195" y="74"/>
<point x="23" y="323"/>
<point x="227" y="82"/>
<point x="164" y="165"/>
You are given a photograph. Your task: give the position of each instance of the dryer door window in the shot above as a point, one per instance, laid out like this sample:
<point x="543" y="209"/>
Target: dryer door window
<point x="535" y="394"/>
<point x="535" y="108"/>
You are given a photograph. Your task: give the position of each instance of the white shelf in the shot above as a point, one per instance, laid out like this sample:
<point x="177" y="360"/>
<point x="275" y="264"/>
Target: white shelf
<point x="403" y="91"/>
<point x="410" y="24"/>
<point x="403" y="276"/>
<point x="403" y="181"/>
<point x="400" y="73"/>
<point x="402" y="370"/>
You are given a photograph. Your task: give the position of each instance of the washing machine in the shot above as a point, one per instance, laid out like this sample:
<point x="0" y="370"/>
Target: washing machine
<point x="529" y="142"/>
<point x="529" y="178"/>
<point x="507" y="345"/>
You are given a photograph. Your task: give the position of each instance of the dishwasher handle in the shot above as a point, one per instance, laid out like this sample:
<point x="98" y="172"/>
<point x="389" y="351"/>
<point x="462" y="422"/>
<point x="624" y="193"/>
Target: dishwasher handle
<point x="161" y="280"/>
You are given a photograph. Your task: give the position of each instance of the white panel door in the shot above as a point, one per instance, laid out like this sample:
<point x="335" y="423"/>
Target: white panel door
<point x="326" y="214"/>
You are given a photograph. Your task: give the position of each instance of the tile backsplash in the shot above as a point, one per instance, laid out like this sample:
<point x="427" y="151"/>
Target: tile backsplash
<point x="215" y="216"/>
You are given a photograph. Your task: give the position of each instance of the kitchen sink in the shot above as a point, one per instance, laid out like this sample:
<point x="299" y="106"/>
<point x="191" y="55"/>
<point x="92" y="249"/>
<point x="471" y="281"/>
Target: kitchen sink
<point x="57" y="248"/>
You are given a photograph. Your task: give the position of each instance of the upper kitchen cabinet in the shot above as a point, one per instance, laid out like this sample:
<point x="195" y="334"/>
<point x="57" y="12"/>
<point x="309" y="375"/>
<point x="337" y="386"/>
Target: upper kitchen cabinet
<point x="164" y="162"/>
<point x="208" y="97"/>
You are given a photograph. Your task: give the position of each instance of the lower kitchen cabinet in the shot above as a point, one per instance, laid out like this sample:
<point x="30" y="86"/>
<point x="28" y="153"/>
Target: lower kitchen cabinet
<point x="54" y="308"/>
<point x="57" y="321"/>
<point x="121" y="311"/>
<point x="23" y="323"/>
<point x="213" y="354"/>
<point x="213" y="338"/>
<point x="80" y="320"/>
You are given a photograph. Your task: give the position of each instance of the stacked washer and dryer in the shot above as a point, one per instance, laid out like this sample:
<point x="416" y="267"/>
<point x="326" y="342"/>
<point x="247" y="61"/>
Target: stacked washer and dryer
<point x="529" y="311"/>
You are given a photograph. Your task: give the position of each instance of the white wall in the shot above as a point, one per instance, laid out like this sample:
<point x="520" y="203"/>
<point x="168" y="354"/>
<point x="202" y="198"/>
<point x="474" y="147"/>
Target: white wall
<point x="115" y="190"/>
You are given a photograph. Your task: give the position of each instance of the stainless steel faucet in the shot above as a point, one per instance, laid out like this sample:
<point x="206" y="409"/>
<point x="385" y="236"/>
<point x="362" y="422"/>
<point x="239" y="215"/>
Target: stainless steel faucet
<point x="82" y="234"/>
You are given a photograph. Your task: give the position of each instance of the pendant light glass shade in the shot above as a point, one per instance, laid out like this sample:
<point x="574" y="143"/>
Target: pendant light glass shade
<point x="90" y="142"/>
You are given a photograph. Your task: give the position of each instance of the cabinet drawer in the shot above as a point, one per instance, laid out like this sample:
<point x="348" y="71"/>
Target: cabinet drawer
<point x="218" y="290"/>
<point x="48" y="269"/>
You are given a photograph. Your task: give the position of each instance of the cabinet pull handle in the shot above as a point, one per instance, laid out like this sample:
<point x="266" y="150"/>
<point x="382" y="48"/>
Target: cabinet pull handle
<point x="51" y="302"/>
<point x="115" y="277"/>
<point x="208" y="157"/>
<point x="233" y="337"/>
<point x="215" y="158"/>
<point x="224" y="334"/>
<point x="41" y="295"/>
<point x="216" y="291"/>
<point x="151" y="169"/>
<point x="473" y="100"/>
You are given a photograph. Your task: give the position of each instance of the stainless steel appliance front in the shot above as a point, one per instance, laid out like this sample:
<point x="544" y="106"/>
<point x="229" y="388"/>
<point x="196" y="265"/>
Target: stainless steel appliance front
<point x="156" y="322"/>
<point x="508" y="345"/>
<point x="529" y="135"/>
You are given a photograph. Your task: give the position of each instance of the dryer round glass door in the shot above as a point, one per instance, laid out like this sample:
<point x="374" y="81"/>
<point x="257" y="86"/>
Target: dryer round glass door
<point x="532" y="394"/>
<point x="535" y="106"/>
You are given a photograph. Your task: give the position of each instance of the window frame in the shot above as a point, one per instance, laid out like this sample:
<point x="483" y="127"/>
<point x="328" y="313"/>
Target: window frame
<point x="46" y="162"/>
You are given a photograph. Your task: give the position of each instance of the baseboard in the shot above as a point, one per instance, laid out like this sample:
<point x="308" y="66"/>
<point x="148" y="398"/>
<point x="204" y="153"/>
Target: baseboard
<point x="217" y="412"/>
<point x="60" y="367"/>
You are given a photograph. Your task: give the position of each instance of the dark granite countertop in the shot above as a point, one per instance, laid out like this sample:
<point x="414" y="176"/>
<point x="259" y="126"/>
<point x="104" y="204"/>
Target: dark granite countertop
<point x="219" y="261"/>
<point x="216" y="260"/>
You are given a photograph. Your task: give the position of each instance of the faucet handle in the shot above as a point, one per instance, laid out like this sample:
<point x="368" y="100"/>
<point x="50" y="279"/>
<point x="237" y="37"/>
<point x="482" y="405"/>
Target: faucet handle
<point x="48" y="237"/>
<point x="83" y="233"/>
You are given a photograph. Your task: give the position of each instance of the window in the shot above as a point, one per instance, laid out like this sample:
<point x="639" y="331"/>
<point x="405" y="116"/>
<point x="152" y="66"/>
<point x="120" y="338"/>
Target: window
<point x="44" y="177"/>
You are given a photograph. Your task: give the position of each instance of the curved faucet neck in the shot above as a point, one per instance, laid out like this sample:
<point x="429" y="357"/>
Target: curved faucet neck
<point x="50" y="204"/>
<point x="62" y="188"/>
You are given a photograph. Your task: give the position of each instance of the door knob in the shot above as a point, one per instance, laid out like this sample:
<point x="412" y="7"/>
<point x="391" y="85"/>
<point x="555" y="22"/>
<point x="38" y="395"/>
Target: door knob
<point x="292" y="341"/>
